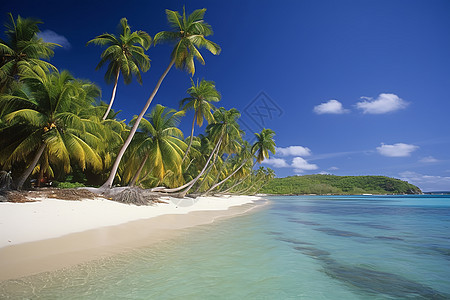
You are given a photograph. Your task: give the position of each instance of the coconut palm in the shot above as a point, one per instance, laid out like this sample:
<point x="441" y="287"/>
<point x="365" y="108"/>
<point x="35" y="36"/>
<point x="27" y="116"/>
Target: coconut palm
<point x="264" y="143"/>
<point x="44" y="107"/>
<point x="261" y="148"/>
<point x="22" y="51"/>
<point x="188" y="33"/>
<point x="112" y="132"/>
<point x="245" y="156"/>
<point x="200" y="97"/>
<point x="224" y="131"/>
<point x="162" y="146"/>
<point x="125" y="55"/>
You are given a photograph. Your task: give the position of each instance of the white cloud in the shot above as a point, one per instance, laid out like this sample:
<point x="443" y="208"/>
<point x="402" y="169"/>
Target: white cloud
<point x="385" y="103"/>
<point x="300" y="164"/>
<point x="50" y="36"/>
<point x="427" y="182"/>
<point x="396" y="150"/>
<point x="330" y="107"/>
<point x="276" y="162"/>
<point x="333" y="168"/>
<point x="293" y="151"/>
<point x="428" y="159"/>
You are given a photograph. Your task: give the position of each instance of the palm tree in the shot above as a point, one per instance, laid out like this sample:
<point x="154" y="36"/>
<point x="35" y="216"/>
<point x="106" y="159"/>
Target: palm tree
<point x="264" y="143"/>
<point x="44" y="107"/>
<point x="261" y="148"/>
<point x="22" y="52"/>
<point x="162" y="145"/>
<point x="224" y="132"/>
<point x="125" y="55"/>
<point x="245" y="155"/>
<point x="201" y="96"/>
<point x="112" y="133"/>
<point x="188" y="34"/>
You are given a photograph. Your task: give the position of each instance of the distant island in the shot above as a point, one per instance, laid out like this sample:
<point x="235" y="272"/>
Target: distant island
<point x="338" y="185"/>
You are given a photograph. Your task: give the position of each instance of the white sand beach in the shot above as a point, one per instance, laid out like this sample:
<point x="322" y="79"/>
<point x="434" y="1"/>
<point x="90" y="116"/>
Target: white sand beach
<point x="50" y="233"/>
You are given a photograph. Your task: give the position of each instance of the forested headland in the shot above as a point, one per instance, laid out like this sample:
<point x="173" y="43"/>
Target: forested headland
<point x="338" y="185"/>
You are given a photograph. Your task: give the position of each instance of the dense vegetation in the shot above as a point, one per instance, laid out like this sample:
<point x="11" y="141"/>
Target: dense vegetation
<point x="331" y="184"/>
<point x="55" y="127"/>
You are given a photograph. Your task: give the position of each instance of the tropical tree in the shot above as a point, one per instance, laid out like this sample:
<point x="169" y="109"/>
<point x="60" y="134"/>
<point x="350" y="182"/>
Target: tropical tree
<point x="200" y="97"/>
<point x="264" y="143"/>
<point x="261" y="148"/>
<point x="125" y="55"/>
<point x="244" y="158"/>
<point x="224" y="132"/>
<point x="188" y="33"/>
<point x="44" y="108"/>
<point x="259" y="179"/>
<point x="22" y="51"/>
<point x="162" y="145"/>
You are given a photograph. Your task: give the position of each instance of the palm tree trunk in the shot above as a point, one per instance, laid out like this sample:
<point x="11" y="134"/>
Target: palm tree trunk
<point x="236" y="184"/>
<point x="216" y="156"/>
<point x="221" y="168"/>
<point x="245" y="190"/>
<point x="251" y="186"/>
<point x="112" y="175"/>
<point x="190" y="141"/>
<point x="136" y="176"/>
<point x="216" y="149"/>
<point x="228" y="177"/>
<point x="112" y="96"/>
<point x="260" y="187"/>
<point x="193" y="181"/>
<point x="30" y="169"/>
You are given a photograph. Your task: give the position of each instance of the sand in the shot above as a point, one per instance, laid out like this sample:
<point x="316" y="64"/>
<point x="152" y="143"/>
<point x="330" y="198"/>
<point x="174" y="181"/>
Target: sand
<point x="51" y="234"/>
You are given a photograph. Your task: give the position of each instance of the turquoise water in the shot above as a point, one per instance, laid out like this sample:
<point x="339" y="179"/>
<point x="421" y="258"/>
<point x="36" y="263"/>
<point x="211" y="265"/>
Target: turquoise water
<point x="305" y="247"/>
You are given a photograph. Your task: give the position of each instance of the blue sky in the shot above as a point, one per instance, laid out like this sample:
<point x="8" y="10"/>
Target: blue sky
<point x="349" y="87"/>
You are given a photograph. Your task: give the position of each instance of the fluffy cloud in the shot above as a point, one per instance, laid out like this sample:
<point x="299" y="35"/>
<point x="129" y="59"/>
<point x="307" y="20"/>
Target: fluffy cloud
<point x="428" y="159"/>
<point x="333" y="168"/>
<point x="385" y="103"/>
<point x="50" y="36"/>
<point x="300" y="164"/>
<point x="293" y="151"/>
<point x="396" y="150"/>
<point x="330" y="107"/>
<point x="427" y="182"/>
<point x="276" y="162"/>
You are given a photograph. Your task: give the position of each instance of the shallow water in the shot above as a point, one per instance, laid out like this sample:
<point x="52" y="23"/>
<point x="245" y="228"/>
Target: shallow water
<point x="305" y="247"/>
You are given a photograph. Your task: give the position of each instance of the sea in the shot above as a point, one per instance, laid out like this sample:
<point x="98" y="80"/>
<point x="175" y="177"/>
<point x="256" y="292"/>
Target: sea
<point x="294" y="247"/>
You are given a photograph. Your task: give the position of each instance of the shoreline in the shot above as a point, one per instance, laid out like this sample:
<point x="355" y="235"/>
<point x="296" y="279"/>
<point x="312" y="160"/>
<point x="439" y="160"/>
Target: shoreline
<point x="52" y="250"/>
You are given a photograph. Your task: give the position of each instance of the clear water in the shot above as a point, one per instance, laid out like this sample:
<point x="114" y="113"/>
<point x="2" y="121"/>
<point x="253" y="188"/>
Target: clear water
<point x="305" y="247"/>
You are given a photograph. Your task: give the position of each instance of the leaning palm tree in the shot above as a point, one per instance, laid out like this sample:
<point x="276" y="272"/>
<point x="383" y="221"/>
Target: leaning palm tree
<point x="200" y="97"/>
<point x="162" y="146"/>
<point x="22" y="51"/>
<point x="56" y="135"/>
<point x="125" y="55"/>
<point x="244" y="158"/>
<point x="261" y="148"/>
<point x="188" y="33"/>
<point x="264" y="143"/>
<point x="225" y="131"/>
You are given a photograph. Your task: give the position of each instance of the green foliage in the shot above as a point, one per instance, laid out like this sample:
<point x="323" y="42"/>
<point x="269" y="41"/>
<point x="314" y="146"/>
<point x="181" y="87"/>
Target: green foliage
<point x="68" y="185"/>
<point x="124" y="53"/>
<point x="331" y="184"/>
<point x="52" y="126"/>
<point x="188" y="34"/>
